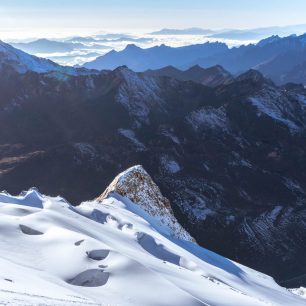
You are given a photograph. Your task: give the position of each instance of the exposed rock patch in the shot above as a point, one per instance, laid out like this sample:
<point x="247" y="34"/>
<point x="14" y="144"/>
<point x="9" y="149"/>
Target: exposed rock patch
<point x="137" y="185"/>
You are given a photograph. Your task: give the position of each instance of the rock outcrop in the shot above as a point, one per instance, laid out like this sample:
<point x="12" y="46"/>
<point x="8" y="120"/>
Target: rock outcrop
<point x="137" y="185"/>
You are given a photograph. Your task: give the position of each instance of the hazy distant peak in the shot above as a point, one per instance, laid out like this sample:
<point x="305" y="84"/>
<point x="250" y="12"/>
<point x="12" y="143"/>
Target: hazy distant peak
<point x="268" y="40"/>
<point x="195" y="67"/>
<point x="188" y="31"/>
<point x="132" y="47"/>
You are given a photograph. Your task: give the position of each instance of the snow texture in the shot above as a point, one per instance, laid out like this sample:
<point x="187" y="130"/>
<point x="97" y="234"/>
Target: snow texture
<point x="138" y="94"/>
<point x="111" y="253"/>
<point x="211" y="118"/>
<point x="278" y="106"/>
<point x="23" y="62"/>
<point x="130" y="135"/>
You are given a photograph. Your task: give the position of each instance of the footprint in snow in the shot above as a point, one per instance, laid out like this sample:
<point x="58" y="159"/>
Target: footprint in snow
<point x="29" y="231"/>
<point x="78" y="243"/>
<point x="127" y="228"/>
<point x="90" y="278"/>
<point x="98" y="254"/>
<point x="112" y="221"/>
<point x="103" y="266"/>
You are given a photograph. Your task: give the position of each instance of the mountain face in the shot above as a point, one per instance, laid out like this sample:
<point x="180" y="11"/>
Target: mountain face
<point x="212" y="77"/>
<point x="230" y="159"/>
<point x="277" y="58"/>
<point x="288" y="67"/>
<point x="113" y="252"/>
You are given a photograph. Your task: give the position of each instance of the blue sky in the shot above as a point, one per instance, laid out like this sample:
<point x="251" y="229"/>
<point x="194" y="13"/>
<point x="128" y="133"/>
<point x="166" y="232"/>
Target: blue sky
<point x="144" y="15"/>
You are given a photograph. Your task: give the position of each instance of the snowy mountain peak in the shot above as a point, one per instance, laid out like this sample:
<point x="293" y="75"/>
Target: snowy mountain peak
<point x="23" y="62"/>
<point x="132" y="47"/>
<point x="137" y="185"/>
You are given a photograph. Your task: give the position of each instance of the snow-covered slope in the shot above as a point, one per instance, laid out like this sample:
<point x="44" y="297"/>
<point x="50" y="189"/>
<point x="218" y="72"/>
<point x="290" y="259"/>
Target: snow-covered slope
<point x="23" y="62"/>
<point x="299" y="291"/>
<point x="111" y="253"/>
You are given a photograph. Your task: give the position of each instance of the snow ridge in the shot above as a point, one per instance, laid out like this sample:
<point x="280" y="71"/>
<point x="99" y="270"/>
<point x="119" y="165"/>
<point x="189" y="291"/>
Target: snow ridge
<point x="109" y="253"/>
<point x="23" y="62"/>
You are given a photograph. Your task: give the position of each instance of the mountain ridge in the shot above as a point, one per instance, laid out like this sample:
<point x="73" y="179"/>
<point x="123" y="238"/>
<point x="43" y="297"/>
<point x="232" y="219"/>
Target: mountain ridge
<point x="265" y="56"/>
<point x="23" y="62"/>
<point x="212" y="76"/>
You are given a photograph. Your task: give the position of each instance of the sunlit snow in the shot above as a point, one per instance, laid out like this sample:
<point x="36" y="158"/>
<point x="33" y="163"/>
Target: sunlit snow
<point x="109" y="253"/>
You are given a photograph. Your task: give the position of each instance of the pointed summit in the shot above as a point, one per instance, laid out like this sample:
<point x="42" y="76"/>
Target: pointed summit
<point x="132" y="47"/>
<point x="253" y="76"/>
<point x="137" y="185"/>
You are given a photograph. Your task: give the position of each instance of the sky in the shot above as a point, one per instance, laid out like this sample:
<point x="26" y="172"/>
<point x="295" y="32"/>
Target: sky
<point x="60" y="17"/>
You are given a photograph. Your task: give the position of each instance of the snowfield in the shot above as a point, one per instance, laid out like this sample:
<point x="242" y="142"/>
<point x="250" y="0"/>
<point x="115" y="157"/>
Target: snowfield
<point x="114" y="253"/>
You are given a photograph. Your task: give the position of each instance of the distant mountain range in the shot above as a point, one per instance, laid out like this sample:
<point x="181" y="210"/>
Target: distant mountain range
<point x="212" y="77"/>
<point x="71" y="51"/>
<point x="189" y="31"/>
<point x="237" y="34"/>
<point x="73" y="44"/>
<point x="51" y="46"/>
<point x="77" y="50"/>
<point x="139" y="59"/>
<point x="280" y="59"/>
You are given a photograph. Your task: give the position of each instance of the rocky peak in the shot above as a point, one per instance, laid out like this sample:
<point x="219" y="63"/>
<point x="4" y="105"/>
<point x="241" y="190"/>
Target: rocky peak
<point x="196" y="69"/>
<point x="132" y="48"/>
<point x="268" y="40"/>
<point x="254" y="79"/>
<point x="251" y="75"/>
<point x="137" y="185"/>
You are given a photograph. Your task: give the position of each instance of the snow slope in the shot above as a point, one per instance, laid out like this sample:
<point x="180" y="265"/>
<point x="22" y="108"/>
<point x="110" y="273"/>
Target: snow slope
<point x="111" y="253"/>
<point x="23" y="62"/>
